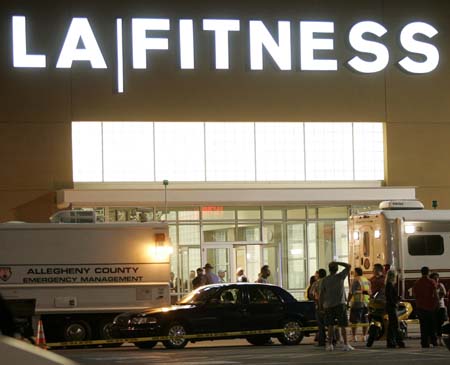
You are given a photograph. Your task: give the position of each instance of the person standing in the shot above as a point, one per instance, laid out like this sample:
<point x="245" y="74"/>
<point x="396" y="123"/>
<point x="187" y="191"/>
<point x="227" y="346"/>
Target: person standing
<point x="240" y="275"/>
<point x="199" y="280"/>
<point x="263" y="276"/>
<point x="377" y="281"/>
<point x="358" y="298"/>
<point x="441" y="312"/>
<point x="210" y="277"/>
<point x="308" y="293"/>
<point x="425" y="292"/>
<point x="333" y="301"/>
<point x="394" y="337"/>
<point x="221" y="274"/>
<point x="315" y="291"/>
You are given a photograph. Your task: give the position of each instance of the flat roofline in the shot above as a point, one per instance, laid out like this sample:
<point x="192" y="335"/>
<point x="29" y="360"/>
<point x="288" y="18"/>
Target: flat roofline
<point x="237" y="195"/>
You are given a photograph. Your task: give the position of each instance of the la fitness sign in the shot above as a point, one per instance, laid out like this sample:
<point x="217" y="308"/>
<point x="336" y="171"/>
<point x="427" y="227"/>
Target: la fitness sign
<point x="364" y="37"/>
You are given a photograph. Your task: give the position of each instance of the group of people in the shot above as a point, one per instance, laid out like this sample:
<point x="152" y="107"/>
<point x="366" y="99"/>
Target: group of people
<point x="331" y="303"/>
<point x="206" y="276"/>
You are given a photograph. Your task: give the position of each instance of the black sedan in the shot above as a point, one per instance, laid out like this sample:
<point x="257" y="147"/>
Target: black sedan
<point x="218" y="308"/>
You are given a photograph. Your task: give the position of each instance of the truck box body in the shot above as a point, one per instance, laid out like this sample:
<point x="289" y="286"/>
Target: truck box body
<point x="404" y="239"/>
<point x="85" y="271"/>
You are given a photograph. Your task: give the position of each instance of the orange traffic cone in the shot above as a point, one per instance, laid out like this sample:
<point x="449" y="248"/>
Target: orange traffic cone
<point x="40" y="338"/>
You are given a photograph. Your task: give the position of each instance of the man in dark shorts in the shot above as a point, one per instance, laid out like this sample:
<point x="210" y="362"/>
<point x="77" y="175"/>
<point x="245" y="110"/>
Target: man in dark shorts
<point x="332" y="300"/>
<point x="358" y="297"/>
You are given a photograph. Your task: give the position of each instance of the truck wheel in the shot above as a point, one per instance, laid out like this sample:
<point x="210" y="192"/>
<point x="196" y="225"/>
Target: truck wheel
<point x="145" y="345"/>
<point x="176" y="332"/>
<point x="77" y="330"/>
<point x="104" y="331"/>
<point x="259" y="340"/>
<point x="292" y="334"/>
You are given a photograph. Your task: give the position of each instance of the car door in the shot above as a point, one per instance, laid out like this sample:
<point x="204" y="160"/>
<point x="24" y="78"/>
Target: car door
<point x="222" y="312"/>
<point x="265" y="309"/>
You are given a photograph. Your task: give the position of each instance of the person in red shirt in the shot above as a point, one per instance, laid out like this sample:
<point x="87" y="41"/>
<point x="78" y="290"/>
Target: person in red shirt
<point x="425" y="292"/>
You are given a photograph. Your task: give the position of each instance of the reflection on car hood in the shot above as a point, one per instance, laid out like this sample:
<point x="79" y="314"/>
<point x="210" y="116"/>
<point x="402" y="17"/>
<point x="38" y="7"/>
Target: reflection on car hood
<point x="159" y="310"/>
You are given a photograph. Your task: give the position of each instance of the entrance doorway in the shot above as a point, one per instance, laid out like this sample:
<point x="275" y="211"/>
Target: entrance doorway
<point x="250" y="256"/>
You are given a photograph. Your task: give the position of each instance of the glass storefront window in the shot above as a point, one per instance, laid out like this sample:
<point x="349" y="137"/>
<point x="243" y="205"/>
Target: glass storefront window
<point x="312" y="213"/>
<point x="160" y="215"/>
<point x="249" y="213"/>
<point x="189" y="235"/>
<point x="189" y="214"/>
<point x="312" y="249"/>
<point x="296" y="255"/>
<point x="341" y="240"/>
<point x="219" y="233"/>
<point x="325" y="235"/>
<point x="249" y="232"/>
<point x="212" y="213"/>
<point x="273" y="213"/>
<point x="273" y="233"/>
<point x="333" y="212"/>
<point x="296" y="213"/>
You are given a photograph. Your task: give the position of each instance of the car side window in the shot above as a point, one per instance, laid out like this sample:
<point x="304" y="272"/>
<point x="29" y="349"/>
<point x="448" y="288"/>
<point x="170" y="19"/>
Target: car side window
<point x="229" y="296"/>
<point x="263" y="296"/>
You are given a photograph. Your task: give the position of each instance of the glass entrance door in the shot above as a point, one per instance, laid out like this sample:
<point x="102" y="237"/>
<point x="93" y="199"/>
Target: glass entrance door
<point x="221" y="257"/>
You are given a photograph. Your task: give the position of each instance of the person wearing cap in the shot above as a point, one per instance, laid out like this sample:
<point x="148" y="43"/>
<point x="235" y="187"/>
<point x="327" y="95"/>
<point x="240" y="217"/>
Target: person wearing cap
<point x="221" y="274"/>
<point x="240" y="275"/>
<point x="210" y="277"/>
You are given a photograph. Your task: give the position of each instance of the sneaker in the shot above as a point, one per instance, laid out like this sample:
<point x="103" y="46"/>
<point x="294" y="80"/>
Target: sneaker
<point x="347" y="348"/>
<point x="329" y="348"/>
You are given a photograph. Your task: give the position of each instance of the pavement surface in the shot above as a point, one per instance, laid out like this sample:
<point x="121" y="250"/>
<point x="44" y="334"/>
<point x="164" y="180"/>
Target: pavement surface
<point x="240" y="352"/>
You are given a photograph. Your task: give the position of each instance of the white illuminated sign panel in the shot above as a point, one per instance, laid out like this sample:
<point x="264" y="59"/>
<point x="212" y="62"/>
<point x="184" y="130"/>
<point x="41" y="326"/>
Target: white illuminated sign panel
<point x="280" y="51"/>
<point x="80" y="30"/>
<point x="317" y="48"/>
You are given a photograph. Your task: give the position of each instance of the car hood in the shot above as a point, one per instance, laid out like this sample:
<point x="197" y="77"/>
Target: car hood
<point x="156" y="311"/>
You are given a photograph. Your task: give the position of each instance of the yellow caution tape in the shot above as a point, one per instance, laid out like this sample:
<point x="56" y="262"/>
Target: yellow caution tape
<point x="187" y="337"/>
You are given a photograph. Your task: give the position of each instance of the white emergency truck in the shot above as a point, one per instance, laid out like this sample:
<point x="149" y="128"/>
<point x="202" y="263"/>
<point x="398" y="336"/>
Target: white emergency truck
<point x="82" y="275"/>
<point x="405" y="236"/>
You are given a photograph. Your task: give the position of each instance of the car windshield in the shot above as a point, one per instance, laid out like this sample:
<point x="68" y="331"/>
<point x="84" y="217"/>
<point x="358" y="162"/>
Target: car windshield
<point x="200" y="295"/>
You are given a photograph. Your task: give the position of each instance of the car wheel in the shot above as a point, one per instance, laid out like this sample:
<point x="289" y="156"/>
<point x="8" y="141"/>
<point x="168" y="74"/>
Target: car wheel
<point x="77" y="330"/>
<point x="259" y="340"/>
<point x="105" y="333"/>
<point x="176" y="332"/>
<point x="292" y="333"/>
<point x="147" y="345"/>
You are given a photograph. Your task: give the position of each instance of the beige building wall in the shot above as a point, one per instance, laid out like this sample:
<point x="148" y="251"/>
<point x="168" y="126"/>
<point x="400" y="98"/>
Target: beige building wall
<point x="38" y="105"/>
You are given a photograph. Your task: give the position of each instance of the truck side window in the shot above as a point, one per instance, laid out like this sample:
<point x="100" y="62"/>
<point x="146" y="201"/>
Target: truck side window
<point x="425" y="245"/>
<point x="366" y="244"/>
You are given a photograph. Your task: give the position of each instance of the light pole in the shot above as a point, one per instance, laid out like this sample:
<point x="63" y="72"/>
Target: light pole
<point x="165" y="183"/>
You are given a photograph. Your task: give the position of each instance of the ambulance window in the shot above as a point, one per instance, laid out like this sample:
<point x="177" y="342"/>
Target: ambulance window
<point x="431" y="245"/>
<point x="366" y="244"/>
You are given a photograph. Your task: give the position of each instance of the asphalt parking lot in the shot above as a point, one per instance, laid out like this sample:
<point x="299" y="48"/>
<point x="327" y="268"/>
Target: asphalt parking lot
<point x="240" y="352"/>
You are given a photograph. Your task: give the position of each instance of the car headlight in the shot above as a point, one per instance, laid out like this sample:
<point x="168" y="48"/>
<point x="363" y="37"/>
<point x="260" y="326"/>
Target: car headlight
<point x="143" y="320"/>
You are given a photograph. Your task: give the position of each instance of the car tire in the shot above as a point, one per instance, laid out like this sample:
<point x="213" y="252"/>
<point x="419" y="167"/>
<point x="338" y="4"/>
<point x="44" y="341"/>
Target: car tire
<point x="77" y="330"/>
<point x="259" y="340"/>
<point x="292" y="334"/>
<point x="175" y="331"/>
<point x="147" y="345"/>
<point x="105" y="333"/>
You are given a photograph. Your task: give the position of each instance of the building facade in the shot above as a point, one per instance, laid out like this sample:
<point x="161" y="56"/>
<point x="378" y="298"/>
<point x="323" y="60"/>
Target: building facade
<point x="271" y="121"/>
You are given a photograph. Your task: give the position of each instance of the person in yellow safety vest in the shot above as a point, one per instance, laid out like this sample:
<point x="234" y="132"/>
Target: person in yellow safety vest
<point x="358" y="297"/>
